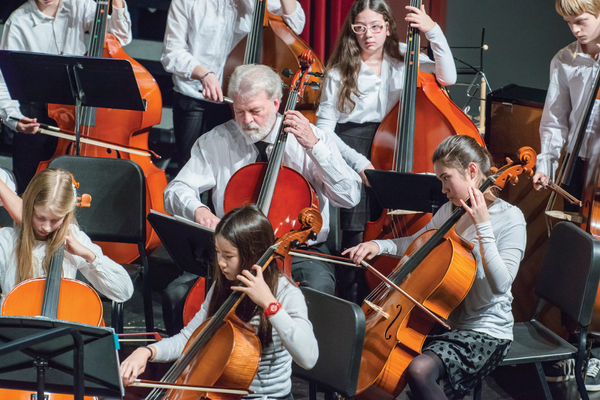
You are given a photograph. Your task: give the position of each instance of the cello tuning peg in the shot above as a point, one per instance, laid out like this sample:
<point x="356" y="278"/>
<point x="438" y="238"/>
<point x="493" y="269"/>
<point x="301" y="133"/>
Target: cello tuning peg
<point x="287" y="73"/>
<point x="317" y="74"/>
<point x="84" y="201"/>
<point x="312" y="235"/>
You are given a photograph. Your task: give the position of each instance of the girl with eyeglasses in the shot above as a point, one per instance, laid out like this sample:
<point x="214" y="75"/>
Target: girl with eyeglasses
<point x="365" y="78"/>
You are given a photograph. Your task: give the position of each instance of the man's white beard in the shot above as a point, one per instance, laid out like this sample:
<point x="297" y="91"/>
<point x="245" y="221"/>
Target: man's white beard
<point x="255" y="132"/>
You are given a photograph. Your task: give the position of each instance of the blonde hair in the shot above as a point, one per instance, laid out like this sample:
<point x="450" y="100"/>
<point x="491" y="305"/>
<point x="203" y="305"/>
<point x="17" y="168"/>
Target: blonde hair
<point x="573" y="8"/>
<point x="52" y="188"/>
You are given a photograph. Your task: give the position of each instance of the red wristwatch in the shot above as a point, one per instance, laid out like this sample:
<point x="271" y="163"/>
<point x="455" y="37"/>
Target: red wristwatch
<point x="272" y="309"/>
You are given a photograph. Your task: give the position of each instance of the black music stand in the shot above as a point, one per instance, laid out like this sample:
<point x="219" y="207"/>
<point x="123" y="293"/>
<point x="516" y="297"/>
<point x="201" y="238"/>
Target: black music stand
<point x="402" y="191"/>
<point x="41" y="353"/>
<point x="71" y="80"/>
<point x="190" y="245"/>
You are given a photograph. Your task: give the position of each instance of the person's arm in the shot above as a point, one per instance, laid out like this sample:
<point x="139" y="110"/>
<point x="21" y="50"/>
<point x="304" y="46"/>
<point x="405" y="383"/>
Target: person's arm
<point x="9" y="107"/>
<point x="9" y="198"/>
<point x="328" y="169"/>
<point x="182" y="194"/>
<point x="176" y="57"/>
<point x="168" y="349"/>
<point x="119" y="23"/>
<point x="291" y="321"/>
<point x="104" y="274"/>
<point x="292" y="13"/>
<point x="443" y="67"/>
<point x="554" y="125"/>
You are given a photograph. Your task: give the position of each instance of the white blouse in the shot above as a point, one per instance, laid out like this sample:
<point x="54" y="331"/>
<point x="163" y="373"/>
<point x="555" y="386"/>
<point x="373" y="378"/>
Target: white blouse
<point x="28" y="29"/>
<point x="104" y="274"/>
<point x="204" y="32"/>
<point x="379" y="94"/>
<point x="572" y="75"/>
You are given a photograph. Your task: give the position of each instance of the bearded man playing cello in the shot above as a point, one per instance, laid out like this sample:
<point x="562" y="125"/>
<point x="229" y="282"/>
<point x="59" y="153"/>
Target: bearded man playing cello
<point x="217" y="155"/>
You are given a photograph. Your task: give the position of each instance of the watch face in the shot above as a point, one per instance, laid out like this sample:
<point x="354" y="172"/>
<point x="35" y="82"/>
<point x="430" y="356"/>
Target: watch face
<point x="273" y="307"/>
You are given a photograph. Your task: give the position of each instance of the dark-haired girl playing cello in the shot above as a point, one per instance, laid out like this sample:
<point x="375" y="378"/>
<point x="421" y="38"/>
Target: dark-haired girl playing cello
<point x="482" y="324"/>
<point x="273" y="305"/>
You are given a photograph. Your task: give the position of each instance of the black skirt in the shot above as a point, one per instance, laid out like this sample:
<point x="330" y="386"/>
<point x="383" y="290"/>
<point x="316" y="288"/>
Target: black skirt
<point x="468" y="357"/>
<point x="360" y="138"/>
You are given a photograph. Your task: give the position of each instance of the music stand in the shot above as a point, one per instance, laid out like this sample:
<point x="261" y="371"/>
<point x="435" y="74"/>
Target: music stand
<point x="71" y="80"/>
<point x="402" y="191"/>
<point x="190" y="245"/>
<point x="42" y="353"/>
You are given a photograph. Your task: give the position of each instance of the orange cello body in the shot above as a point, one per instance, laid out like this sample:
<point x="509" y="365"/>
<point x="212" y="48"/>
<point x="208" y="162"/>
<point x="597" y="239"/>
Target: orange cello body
<point x="280" y="49"/>
<point x="436" y="118"/>
<point x="77" y="302"/>
<point x="130" y="128"/>
<point x="292" y="194"/>
<point x="230" y="361"/>
<point x="439" y="283"/>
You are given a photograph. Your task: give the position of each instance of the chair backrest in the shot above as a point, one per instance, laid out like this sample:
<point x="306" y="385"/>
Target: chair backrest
<point x="118" y="190"/>
<point x="571" y="272"/>
<point x="339" y="327"/>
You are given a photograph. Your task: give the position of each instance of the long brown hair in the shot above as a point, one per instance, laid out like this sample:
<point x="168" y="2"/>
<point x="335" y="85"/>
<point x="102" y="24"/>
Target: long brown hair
<point x="346" y="56"/>
<point x="52" y="188"/>
<point x="247" y="229"/>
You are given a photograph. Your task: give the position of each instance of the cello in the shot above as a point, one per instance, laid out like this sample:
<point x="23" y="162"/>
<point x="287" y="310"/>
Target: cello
<point x="408" y="136"/>
<point x="128" y="128"/>
<point x="437" y="270"/>
<point x="52" y="297"/>
<point x="279" y="191"/>
<point x="223" y="351"/>
<point x="271" y="42"/>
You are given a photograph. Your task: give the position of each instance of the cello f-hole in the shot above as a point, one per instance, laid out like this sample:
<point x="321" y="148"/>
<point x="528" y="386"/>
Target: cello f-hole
<point x="386" y="334"/>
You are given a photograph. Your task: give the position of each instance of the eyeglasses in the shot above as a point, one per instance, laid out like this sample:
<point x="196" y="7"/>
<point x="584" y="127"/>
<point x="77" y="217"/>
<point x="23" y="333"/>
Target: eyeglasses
<point x="362" y="29"/>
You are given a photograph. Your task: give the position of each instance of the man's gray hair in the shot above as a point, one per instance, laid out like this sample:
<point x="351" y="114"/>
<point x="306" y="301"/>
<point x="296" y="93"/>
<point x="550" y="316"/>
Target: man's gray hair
<point x="248" y="81"/>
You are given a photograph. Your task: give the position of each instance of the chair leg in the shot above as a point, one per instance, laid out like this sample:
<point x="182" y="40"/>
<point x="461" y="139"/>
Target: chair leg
<point x="542" y="380"/>
<point x="146" y="289"/>
<point x="312" y="391"/>
<point x="477" y="392"/>
<point x="579" y="370"/>
<point x="116" y="316"/>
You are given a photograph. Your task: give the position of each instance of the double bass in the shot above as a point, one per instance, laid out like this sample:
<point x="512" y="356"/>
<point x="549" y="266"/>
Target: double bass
<point x="128" y="128"/>
<point x="279" y="191"/>
<point x="271" y="42"/>
<point x="407" y="138"/>
<point x="437" y="270"/>
<point x="588" y="201"/>
<point x="223" y="351"/>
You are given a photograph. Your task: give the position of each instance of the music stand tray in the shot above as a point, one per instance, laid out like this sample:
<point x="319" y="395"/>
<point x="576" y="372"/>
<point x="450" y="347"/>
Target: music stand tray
<point x="190" y="245"/>
<point x="25" y="341"/>
<point x="407" y="191"/>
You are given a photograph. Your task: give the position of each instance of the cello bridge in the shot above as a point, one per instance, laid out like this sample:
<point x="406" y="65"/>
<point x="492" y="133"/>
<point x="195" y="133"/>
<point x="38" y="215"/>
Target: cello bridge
<point x="377" y="309"/>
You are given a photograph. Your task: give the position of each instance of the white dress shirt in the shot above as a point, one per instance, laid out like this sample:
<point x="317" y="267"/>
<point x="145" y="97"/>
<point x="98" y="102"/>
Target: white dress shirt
<point x="105" y="275"/>
<point x="572" y="75"/>
<point x="204" y="32"/>
<point x="218" y="154"/>
<point x="499" y="249"/>
<point x="379" y="94"/>
<point x="28" y="29"/>
<point x="293" y="338"/>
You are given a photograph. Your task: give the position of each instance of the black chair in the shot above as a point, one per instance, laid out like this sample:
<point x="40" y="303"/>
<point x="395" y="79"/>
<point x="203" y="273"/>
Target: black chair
<point x="339" y="327"/>
<point x="568" y="280"/>
<point x="117" y="213"/>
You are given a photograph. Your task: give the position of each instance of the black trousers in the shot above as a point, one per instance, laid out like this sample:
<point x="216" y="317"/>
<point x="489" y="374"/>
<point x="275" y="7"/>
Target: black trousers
<point x="29" y="150"/>
<point x="191" y="119"/>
